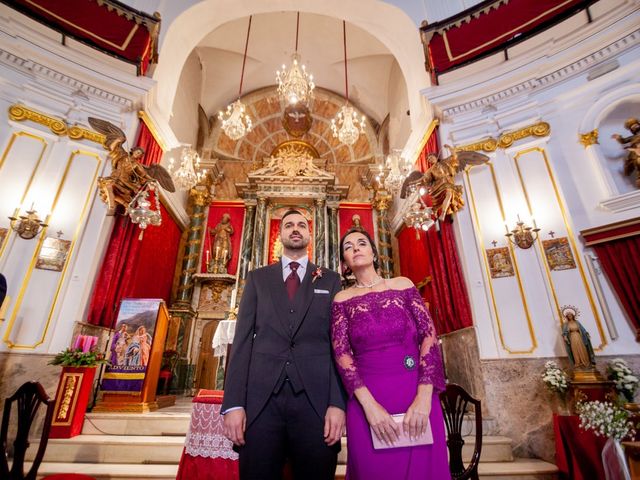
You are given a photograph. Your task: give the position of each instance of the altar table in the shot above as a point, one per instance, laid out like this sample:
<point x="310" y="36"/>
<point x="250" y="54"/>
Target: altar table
<point x="578" y="452"/>
<point x="207" y="454"/>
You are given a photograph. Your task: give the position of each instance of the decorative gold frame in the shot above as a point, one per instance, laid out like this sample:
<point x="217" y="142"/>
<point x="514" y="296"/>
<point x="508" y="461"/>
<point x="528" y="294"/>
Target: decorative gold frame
<point x="540" y="129"/>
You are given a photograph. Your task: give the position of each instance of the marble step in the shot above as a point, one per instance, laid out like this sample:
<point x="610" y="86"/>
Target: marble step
<point x="519" y="469"/>
<point x="149" y="424"/>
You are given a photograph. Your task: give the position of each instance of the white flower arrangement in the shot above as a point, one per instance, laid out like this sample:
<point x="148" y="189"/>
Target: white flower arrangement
<point x="625" y="381"/>
<point x="554" y="378"/>
<point x="605" y="419"/>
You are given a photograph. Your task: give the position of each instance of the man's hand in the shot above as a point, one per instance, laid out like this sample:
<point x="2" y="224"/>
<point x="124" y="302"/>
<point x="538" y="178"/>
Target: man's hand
<point x="235" y="423"/>
<point x="333" y="425"/>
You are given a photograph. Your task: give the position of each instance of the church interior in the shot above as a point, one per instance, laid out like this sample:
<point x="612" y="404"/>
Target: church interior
<point x="149" y="149"/>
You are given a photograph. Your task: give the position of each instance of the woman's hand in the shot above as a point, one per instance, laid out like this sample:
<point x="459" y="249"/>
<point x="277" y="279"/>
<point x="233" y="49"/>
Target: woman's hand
<point x="416" y="419"/>
<point x="381" y="423"/>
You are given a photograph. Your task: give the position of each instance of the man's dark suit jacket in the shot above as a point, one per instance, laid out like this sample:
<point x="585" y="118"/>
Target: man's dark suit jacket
<point x="3" y="288"/>
<point x="277" y="338"/>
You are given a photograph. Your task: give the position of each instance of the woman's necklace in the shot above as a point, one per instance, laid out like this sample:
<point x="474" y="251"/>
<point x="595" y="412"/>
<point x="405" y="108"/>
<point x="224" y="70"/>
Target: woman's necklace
<point x="369" y="285"/>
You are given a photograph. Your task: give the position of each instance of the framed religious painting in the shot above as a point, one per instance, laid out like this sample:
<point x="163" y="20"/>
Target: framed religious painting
<point x="500" y="263"/>
<point x="558" y="253"/>
<point x="53" y="254"/>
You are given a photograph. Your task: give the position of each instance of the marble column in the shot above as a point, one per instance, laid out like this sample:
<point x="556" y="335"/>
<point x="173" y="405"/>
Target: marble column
<point x="247" y="239"/>
<point x="258" y="237"/>
<point x="320" y="240"/>
<point x="381" y="202"/>
<point x="334" y="240"/>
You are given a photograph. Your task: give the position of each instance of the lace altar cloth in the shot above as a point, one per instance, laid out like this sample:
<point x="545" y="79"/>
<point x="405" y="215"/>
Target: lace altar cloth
<point x="205" y="437"/>
<point x="223" y="337"/>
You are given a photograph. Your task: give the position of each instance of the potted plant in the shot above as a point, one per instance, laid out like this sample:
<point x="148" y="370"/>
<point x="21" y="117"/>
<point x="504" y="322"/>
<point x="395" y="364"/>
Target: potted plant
<point x="556" y="382"/>
<point x="76" y="379"/>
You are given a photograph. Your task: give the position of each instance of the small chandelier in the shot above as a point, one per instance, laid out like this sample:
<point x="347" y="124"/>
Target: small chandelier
<point x="346" y="126"/>
<point x="235" y="121"/>
<point x="295" y="84"/>
<point x="419" y="216"/>
<point x="394" y="172"/>
<point x="189" y="173"/>
<point x="140" y="212"/>
<point x="27" y="226"/>
<point x="523" y="236"/>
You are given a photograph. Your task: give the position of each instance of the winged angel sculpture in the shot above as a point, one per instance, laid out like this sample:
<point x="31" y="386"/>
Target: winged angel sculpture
<point x="128" y="175"/>
<point x="439" y="180"/>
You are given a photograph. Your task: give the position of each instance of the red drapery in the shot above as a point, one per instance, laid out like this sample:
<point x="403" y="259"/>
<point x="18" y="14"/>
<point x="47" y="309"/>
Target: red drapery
<point x="129" y="36"/>
<point x="236" y="212"/>
<point x="618" y="248"/>
<point x="121" y="260"/>
<point x="470" y="35"/>
<point x="430" y="259"/>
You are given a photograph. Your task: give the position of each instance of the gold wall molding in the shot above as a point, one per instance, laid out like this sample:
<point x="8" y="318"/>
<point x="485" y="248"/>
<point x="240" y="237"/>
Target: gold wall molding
<point x="20" y="113"/>
<point x="589" y="138"/>
<point x="540" y="129"/>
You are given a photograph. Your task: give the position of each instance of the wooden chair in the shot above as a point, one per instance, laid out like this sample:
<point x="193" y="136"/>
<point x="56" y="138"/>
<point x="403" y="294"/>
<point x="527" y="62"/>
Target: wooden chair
<point x="29" y="397"/>
<point x="455" y="402"/>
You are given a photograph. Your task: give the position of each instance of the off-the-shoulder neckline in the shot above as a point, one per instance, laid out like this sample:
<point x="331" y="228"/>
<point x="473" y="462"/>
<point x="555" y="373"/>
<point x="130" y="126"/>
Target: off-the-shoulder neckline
<point x="373" y="292"/>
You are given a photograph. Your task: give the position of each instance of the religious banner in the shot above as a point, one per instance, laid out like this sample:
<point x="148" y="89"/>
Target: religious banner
<point x="558" y="253"/>
<point x="130" y="346"/>
<point x="500" y="263"/>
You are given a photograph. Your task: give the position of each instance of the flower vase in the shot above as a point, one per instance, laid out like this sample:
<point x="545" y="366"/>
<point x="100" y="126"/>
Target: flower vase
<point x="72" y="397"/>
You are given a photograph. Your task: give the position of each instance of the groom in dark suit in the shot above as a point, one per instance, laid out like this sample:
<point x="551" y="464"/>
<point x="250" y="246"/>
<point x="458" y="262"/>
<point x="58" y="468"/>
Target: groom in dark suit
<point x="283" y="398"/>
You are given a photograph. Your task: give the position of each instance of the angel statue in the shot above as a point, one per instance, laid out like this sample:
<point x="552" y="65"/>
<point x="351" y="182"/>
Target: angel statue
<point x="632" y="146"/>
<point x="440" y="180"/>
<point x="128" y="175"/>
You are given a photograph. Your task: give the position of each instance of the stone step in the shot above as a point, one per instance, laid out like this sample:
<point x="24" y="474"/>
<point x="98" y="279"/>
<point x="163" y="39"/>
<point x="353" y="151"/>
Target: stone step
<point x="113" y="449"/>
<point x="519" y="469"/>
<point x="103" y="471"/>
<point x="489" y="425"/>
<point x="149" y="424"/>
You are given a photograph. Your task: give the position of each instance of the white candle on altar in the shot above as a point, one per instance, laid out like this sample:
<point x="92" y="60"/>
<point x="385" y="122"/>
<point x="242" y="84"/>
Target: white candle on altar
<point x="207" y="257"/>
<point x="234" y="294"/>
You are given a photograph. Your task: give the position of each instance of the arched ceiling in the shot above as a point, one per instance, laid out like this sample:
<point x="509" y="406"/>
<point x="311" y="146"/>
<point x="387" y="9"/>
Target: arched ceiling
<point x="272" y="43"/>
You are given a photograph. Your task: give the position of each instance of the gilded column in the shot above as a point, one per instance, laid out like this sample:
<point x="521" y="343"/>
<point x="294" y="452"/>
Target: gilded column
<point x="381" y="202"/>
<point x="247" y="239"/>
<point x="320" y="241"/>
<point x="200" y="199"/>
<point x="334" y="240"/>
<point x="258" y="237"/>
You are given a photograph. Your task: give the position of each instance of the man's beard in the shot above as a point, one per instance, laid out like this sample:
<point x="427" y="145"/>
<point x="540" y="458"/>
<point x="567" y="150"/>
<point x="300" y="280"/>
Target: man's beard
<point x="290" y="245"/>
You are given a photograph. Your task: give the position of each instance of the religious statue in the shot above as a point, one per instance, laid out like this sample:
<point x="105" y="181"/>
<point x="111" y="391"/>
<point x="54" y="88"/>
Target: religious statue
<point x="440" y="180"/>
<point x="356" y="222"/>
<point x="221" y="249"/>
<point x="632" y="145"/>
<point x="128" y="175"/>
<point x="577" y="341"/>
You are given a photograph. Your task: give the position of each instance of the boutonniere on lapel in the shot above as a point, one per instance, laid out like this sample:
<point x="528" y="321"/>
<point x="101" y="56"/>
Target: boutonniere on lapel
<point x="316" y="274"/>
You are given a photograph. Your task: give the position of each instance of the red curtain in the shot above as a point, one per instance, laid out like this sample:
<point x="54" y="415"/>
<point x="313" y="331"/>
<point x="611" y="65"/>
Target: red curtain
<point x="432" y="146"/>
<point x="236" y="212"/>
<point x="121" y="260"/>
<point x="620" y="260"/>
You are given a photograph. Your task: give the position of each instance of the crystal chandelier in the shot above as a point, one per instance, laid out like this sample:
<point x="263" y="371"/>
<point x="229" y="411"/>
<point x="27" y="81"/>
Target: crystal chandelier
<point x="394" y="172"/>
<point x="140" y="212"/>
<point x="295" y="84"/>
<point x="235" y="121"/>
<point x="419" y="216"/>
<point x="189" y="173"/>
<point x="346" y="126"/>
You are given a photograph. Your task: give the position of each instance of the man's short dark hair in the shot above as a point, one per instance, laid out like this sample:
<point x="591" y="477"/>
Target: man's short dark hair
<point x="291" y="211"/>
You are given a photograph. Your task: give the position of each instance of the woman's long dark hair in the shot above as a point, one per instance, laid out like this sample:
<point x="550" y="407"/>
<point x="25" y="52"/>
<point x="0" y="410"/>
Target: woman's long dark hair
<point x="346" y="271"/>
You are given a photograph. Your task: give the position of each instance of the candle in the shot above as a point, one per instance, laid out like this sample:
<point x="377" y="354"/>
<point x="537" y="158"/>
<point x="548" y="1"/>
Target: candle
<point x="207" y="256"/>
<point x="77" y="345"/>
<point x="234" y="295"/>
<point x="506" y="229"/>
<point x="534" y="223"/>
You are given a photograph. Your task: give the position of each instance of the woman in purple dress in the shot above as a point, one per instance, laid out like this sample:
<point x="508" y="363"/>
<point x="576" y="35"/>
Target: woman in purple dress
<point x="387" y="353"/>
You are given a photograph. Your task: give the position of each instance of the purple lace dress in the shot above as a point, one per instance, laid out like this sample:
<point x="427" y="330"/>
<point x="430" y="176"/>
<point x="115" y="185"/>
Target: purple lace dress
<point x="386" y="341"/>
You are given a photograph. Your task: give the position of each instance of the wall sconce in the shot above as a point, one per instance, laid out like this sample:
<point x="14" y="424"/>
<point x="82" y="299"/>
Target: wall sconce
<point x="27" y="226"/>
<point x="522" y="236"/>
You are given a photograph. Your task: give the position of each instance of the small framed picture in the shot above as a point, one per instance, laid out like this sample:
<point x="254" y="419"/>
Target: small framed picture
<point x="53" y="254"/>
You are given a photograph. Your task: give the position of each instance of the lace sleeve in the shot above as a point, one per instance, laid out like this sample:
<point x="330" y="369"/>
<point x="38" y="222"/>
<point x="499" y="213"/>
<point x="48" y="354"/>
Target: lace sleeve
<point x="430" y="370"/>
<point x="342" y="352"/>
